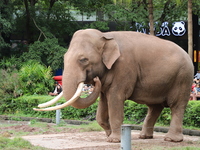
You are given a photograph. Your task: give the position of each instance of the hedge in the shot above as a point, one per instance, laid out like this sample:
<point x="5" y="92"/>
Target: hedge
<point x="23" y="106"/>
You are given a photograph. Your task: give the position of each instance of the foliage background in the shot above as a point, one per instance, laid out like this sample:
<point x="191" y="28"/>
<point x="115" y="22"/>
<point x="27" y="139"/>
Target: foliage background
<point x="34" y="21"/>
<point x="43" y="29"/>
<point x="30" y="78"/>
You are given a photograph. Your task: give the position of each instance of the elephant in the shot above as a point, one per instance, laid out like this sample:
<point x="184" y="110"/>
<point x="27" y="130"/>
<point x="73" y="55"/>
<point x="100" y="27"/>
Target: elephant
<point x="127" y="65"/>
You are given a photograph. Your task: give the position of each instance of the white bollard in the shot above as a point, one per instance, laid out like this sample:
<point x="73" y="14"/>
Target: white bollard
<point x="58" y="115"/>
<point x="126" y="137"/>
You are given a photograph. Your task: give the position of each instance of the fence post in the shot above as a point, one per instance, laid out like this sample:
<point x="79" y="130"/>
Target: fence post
<point x="58" y="115"/>
<point x="126" y="137"/>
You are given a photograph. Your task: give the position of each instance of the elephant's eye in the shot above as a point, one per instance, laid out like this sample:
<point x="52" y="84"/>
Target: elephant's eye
<point x="83" y="60"/>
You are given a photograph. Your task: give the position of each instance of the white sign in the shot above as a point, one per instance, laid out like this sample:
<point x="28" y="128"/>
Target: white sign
<point x="178" y="29"/>
<point x="164" y="30"/>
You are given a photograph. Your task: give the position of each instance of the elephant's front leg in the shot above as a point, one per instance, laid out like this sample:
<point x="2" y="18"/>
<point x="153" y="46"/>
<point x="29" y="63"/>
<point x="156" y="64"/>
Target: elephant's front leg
<point x="150" y="120"/>
<point x="116" y="113"/>
<point x="102" y="114"/>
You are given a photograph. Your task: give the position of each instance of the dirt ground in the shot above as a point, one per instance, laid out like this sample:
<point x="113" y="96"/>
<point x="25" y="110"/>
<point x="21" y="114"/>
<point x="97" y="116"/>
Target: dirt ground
<point x="73" y="139"/>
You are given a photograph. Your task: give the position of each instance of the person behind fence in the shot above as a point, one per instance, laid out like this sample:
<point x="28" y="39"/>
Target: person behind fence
<point x="194" y="84"/>
<point x="197" y="89"/>
<point x="197" y="75"/>
<point x="57" y="90"/>
<point x="85" y="88"/>
<point x="91" y="88"/>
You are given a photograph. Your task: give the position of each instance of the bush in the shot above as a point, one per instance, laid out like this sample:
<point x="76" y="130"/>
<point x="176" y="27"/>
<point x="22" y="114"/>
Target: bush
<point x="133" y="112"/>
<point x="35" y="78"/>
<point x="192" y="114"/>
<point x="10" y="86"/>
<point x="24" y="106"/>
<point x="10" y="64"/>
<point x="47" y="52"/>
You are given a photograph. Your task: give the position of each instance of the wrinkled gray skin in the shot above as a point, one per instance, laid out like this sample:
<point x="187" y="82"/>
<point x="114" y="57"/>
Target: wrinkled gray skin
<point x="129" y="65"/>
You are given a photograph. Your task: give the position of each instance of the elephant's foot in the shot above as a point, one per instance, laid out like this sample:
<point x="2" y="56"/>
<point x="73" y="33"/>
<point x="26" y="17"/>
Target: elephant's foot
<point x="144" y="135"/>
<point x="108" y="132"/>
<point x="114" y="138"/>
<point x="173" y="137"/>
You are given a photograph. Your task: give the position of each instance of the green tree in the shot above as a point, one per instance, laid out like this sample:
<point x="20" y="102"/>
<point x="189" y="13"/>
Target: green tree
<point x="41" y="27"/>
<point x="146" y="12"/>
<point x="37" y="21"/>
<point x="51" y="16"/>
<point x="6" y="26"/>
<point x="35" y="78"/>
<point x="125" y="15"/>
<point x="90" y="6"/>
<point x="47" y="52"/>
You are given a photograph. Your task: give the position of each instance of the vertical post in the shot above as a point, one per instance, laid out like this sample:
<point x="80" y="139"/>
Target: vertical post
<point x="126" y="137"/>
<point x="58" y="115"/>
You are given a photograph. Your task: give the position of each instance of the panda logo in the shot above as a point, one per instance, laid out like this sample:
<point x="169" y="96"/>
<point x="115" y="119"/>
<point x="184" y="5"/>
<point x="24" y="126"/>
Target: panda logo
<point x="178" y="28"/>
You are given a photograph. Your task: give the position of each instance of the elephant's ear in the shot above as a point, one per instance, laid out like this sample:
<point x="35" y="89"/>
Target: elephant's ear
<point x="110" y="50"/>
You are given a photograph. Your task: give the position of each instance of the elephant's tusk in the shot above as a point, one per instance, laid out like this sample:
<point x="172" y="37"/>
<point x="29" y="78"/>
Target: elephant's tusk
<point x="71" y="101"/>
<point x="51" y="102"/>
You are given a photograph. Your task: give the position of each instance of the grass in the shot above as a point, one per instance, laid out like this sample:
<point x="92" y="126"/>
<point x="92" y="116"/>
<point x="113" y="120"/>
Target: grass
<point x="184" y="127"/>
<point x="44" y="127"/>
<point x="151" y="145"/>
<point x="172" y="148"/>
<point x="93" y="126"/>
<point x="17" y="144"/>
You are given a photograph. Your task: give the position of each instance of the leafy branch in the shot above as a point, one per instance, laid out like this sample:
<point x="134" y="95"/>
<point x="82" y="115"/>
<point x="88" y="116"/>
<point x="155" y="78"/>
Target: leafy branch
<point x="41" y="32"/>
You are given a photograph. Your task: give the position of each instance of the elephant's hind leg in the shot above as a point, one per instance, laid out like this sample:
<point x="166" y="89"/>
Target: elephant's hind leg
<point x="150" y="120"/>
<point x="175" y="131"/>
<point x="178" y="102"/>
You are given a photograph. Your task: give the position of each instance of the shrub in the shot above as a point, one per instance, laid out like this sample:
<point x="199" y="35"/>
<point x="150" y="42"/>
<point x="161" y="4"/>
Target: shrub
<point x="192" y="114"/>
<point x="10" y="88"/>
<point x="35" y="78"/>
<point x="47" y="52"/>
<point x="165" y="117"/>
<point x="10" y="64"/>
<point x="133" y="112"/>
<point x="10" y="85"/>
<point x="24" y="105"/>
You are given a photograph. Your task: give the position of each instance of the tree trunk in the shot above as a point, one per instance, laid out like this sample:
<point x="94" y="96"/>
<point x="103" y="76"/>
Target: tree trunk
<point x="150" y="9"/>
<point x="52" y="2"/>
<point x="190" y="29"/>
<point x="27" y="20"/>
